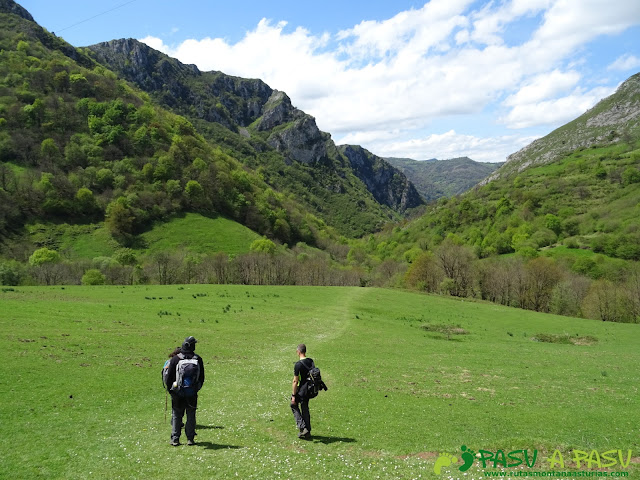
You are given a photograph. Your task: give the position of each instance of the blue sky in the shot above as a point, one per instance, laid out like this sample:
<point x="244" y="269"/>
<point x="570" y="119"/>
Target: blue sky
<point x="441" y="79"/>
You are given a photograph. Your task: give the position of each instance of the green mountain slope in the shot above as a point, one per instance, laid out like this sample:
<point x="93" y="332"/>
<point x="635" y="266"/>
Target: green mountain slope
<point x="443" y="178"/>
<point x="585" y="198"/>
<point x="613" y="120"/>
<point x="80" y="146"/>
<point x="266" y="132"/>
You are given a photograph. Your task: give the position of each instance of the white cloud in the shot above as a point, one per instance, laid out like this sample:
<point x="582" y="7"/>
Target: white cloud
<point x="625" y="63"/>
<point x="489" y="23"/>
<point x="157" y="44"/>
<point x="410" y="31"/>
<point x="394" y="77"/>
<point x="569" y="24"/>
<point x="452" y="145"/>
<point x="555" y="111"/>
<point x="542" y="87"/>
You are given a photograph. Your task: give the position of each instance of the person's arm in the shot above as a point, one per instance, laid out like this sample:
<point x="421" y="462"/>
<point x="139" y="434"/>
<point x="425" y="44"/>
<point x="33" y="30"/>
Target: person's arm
<point x="201" y="363"/>
<point x="294" y="389"/>
<point x="294" y="383"/>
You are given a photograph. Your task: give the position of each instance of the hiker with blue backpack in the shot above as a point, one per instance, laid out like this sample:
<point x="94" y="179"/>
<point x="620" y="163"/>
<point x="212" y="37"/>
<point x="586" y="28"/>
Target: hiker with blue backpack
<point x="183" y="377"/>
<point x="306" y="384"/>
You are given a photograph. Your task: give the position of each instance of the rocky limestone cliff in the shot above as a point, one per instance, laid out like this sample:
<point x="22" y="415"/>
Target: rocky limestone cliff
<point x="389" y="186"/>
<point x="231" y="101"/>
<point x="610" y="121"/>
<point x="9" y="6"/>
<point x="301" y="141"/>
<point x="277" y="111"/>
<point x="215" y="97"/>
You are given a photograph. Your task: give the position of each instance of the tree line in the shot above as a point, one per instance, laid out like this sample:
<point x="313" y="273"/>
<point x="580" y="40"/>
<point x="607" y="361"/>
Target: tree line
<point x="541" y="284"/>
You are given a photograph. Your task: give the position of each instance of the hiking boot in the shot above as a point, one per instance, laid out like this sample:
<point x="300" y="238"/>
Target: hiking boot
<point x="174" y="443"/>
<point x="191" y="441"/>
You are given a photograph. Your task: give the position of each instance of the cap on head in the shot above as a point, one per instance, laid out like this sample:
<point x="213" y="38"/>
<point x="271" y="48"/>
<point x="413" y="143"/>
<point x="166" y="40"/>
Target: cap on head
<point x="189" y="344"/>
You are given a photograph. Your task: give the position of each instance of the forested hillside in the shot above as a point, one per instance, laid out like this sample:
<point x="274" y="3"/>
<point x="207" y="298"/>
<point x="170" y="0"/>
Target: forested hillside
<point x="81" y="146"/>
<point x="586" y="198"/>
<point x="260" y="127"/>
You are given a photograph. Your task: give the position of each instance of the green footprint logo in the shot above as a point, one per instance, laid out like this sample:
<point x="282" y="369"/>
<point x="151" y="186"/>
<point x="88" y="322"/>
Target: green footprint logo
<point x="468" y="456"/>
<point x="444" y="460"/>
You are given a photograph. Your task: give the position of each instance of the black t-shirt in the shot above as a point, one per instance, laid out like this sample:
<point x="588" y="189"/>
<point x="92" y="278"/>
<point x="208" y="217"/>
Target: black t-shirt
<point x="302" y="368"/>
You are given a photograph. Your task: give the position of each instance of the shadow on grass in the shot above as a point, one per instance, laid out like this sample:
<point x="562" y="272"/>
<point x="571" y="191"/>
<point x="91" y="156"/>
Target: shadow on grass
<point x="209" y="427"/>
<point x="216" y="446"/>
<point x="328" y="440"/>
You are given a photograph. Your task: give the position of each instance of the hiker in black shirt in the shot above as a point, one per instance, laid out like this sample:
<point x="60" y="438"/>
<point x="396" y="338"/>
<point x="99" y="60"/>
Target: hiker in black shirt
<point x="299" y="399"/>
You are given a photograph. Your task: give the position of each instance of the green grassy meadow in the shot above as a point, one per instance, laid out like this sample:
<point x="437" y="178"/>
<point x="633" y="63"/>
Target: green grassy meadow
<point x="191" y="231"/>
<point x="200" y="234"/>
<point x="82" y="395"/>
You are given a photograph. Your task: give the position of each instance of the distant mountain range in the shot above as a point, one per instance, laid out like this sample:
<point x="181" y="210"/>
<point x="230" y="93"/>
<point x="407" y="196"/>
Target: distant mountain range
<point x="443" y="178"/>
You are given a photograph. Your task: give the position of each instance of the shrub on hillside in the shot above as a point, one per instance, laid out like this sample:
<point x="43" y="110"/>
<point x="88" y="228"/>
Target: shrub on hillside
<point x="93" y="277"/>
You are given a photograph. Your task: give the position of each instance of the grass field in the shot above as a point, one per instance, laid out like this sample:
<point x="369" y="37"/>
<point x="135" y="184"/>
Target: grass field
<point x="82" y="396"/>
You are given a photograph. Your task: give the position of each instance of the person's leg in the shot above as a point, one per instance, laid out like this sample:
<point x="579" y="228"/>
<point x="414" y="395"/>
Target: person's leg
<point x="297" y="415"/>
<point x="190" y="427"/>
<point x="306" y="415"/>
<point x="177" y="412"/>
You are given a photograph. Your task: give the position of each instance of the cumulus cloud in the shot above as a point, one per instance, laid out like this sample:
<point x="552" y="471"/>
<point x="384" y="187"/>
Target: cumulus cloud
<point x="625" y="63"/>
<point x="552" y="98"/>
<point x="556" y="111"/>
<point x="453" y="145"/>
<point x="543" y="86"/>
<point x="387" y="79"/>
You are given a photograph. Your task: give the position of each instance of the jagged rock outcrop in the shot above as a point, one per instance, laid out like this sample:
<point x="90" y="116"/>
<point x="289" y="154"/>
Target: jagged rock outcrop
<point x="231" y="101"/>
<point x="609" y="121"/>
<point x="389" y="186"/>
<point x="277" y="111"/>
<point x="301" y="141"/>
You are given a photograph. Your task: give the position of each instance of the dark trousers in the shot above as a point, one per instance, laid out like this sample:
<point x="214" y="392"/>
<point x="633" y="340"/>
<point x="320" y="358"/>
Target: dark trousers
<point x="179" y="406"/>
<point x="301" y="413"/>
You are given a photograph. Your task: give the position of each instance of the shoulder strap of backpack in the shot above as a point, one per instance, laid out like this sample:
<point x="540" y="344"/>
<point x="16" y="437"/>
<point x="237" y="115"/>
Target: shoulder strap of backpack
<point x="306" y="365"/>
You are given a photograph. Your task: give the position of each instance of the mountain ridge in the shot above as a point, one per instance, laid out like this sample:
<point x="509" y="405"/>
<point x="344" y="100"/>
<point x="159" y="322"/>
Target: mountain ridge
<point x="262" y="119"/>
<point x="80" y="147"/>
<point x="612" y="120"/>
